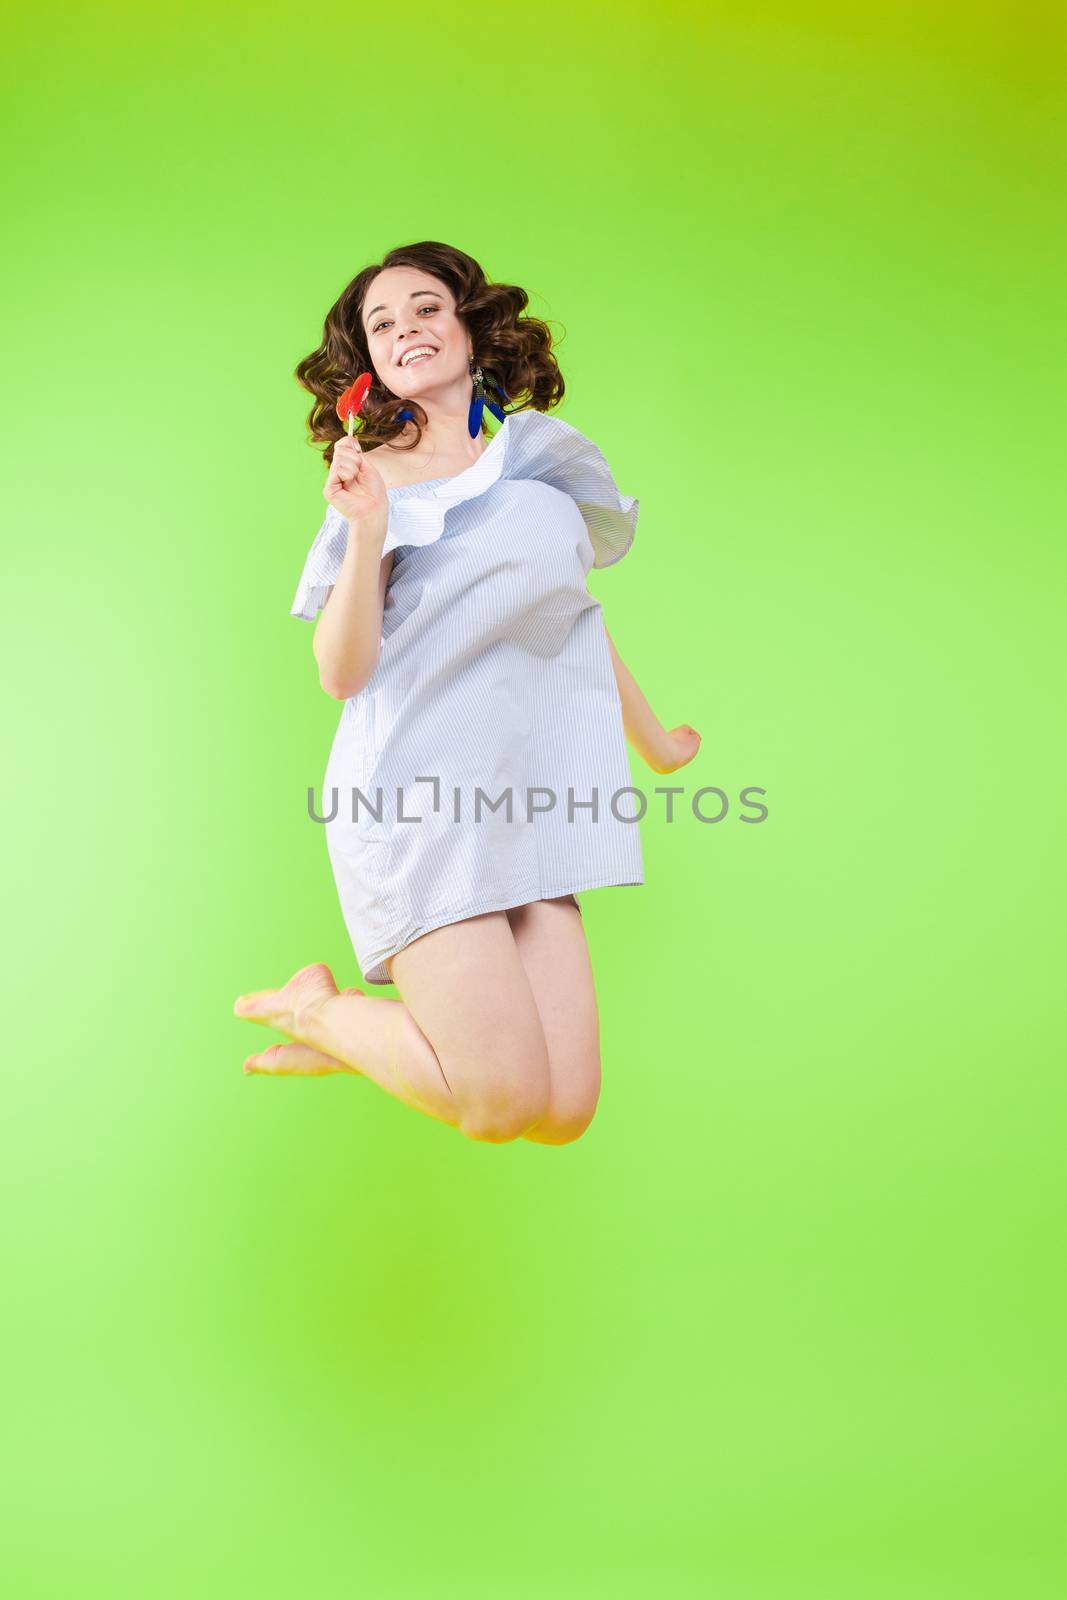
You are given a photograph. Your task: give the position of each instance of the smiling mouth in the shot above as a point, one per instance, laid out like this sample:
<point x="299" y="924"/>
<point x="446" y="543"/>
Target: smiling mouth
<point x="416" y="360"/>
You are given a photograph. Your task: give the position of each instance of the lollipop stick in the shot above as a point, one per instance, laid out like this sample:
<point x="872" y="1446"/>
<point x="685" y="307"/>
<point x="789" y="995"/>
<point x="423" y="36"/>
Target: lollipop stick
<point x="351" y="423"/>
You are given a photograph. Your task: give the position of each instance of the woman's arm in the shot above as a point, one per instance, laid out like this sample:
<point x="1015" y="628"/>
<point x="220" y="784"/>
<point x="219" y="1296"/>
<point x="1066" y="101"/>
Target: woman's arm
<point x="348" y="634"/>
<point x="664" y="750"/>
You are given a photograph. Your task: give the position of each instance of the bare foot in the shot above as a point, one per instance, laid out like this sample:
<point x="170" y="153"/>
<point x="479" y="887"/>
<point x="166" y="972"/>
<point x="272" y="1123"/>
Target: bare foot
<point x="293" y="1008"/>
<point x="296" y="1059"/>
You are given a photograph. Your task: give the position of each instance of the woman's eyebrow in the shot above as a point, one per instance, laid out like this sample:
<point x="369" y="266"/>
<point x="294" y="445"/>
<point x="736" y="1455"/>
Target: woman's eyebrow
<point x="416" y="296"/>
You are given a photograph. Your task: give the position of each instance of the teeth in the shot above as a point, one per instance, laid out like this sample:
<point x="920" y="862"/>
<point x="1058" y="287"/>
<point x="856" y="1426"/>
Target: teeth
<point x="427" y="354"/>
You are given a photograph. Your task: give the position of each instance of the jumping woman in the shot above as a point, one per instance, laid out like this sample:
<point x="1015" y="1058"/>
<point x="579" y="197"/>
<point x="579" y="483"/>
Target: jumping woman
<point x="478" y="780"/>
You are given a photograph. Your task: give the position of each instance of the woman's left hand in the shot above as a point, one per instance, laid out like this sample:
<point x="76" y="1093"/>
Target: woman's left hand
<point x="680" y="745"/>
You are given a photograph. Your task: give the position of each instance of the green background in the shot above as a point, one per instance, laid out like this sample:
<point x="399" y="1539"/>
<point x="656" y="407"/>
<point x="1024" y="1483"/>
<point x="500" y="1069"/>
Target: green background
<point x="787" y="1320"/>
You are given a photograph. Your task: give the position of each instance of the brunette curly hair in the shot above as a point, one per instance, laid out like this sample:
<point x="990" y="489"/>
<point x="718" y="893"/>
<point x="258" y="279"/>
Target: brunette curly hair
<point x="512" y="350"/>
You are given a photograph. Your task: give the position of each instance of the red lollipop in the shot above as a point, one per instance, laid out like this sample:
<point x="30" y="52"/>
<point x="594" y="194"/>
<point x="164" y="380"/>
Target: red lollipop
<point x="350" y="402"/>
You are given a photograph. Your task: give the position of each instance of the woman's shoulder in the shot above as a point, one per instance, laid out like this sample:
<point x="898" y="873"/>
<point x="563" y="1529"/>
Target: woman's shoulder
<point x="391" y="469"/>
<point x="399" y="471"/>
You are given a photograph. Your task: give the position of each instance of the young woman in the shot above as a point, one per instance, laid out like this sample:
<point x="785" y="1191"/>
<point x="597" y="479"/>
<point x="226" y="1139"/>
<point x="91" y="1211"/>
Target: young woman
<point x="473" y="787"/>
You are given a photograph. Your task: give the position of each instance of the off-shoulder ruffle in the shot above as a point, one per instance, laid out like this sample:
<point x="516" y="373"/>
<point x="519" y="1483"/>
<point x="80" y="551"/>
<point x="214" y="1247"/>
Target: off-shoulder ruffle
<point x="417" y="510"/>
<point x="527" y="445"/>
<point x="548" y="448"/>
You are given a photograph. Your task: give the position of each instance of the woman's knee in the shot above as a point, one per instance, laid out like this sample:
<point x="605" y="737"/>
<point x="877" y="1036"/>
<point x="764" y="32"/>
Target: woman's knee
<point x="501" y="1102"/>
<point x="566" y="1118"/>
<point x="548" y="1131"/>
<point x="495" y="1127"/>
<point x="466" y="989"/>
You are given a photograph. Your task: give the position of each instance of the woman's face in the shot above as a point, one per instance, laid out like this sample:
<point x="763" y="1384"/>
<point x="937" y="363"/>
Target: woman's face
<point x="406" y="310"/>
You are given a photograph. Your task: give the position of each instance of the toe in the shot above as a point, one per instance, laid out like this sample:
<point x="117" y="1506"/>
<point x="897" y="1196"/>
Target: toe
<point x="269" y="1060"/>
<point x="250" y="1005"/>
<point x="294" y="1059"/>
<point x="318" y="973"/>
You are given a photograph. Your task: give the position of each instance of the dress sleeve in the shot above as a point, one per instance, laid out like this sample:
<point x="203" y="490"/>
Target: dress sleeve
<point x="560" y="455"/>
<point x="322" y="567"/>
<point x="610" y="517"/>
<point x="611" y="527"/>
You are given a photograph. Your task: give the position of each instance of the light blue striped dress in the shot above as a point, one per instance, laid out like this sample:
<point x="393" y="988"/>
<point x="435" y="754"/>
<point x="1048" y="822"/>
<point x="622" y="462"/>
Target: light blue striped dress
<point x="494" y="690"/>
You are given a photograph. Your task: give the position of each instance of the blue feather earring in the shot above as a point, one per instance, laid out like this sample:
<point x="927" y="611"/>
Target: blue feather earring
<point x="480" y="398"/>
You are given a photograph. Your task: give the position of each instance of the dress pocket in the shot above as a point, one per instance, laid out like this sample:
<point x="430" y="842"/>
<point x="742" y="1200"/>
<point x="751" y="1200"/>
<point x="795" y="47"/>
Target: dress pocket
<point x="362" y="820"/>
<point x="350" y="767"/>
<point x="357" y="839"/>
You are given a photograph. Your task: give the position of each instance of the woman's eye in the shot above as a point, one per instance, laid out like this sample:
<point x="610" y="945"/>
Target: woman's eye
<point x="378" y="327"/>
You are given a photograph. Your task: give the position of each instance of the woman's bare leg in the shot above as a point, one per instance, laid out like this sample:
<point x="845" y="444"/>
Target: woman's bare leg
<point x="371" y="1036"/>
<point x="465" y="1045"/>
<point x="550" y="939"/>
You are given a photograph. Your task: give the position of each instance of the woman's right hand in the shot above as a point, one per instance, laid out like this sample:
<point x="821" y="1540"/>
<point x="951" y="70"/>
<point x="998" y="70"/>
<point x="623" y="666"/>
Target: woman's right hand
<point x="356" y="488"/>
